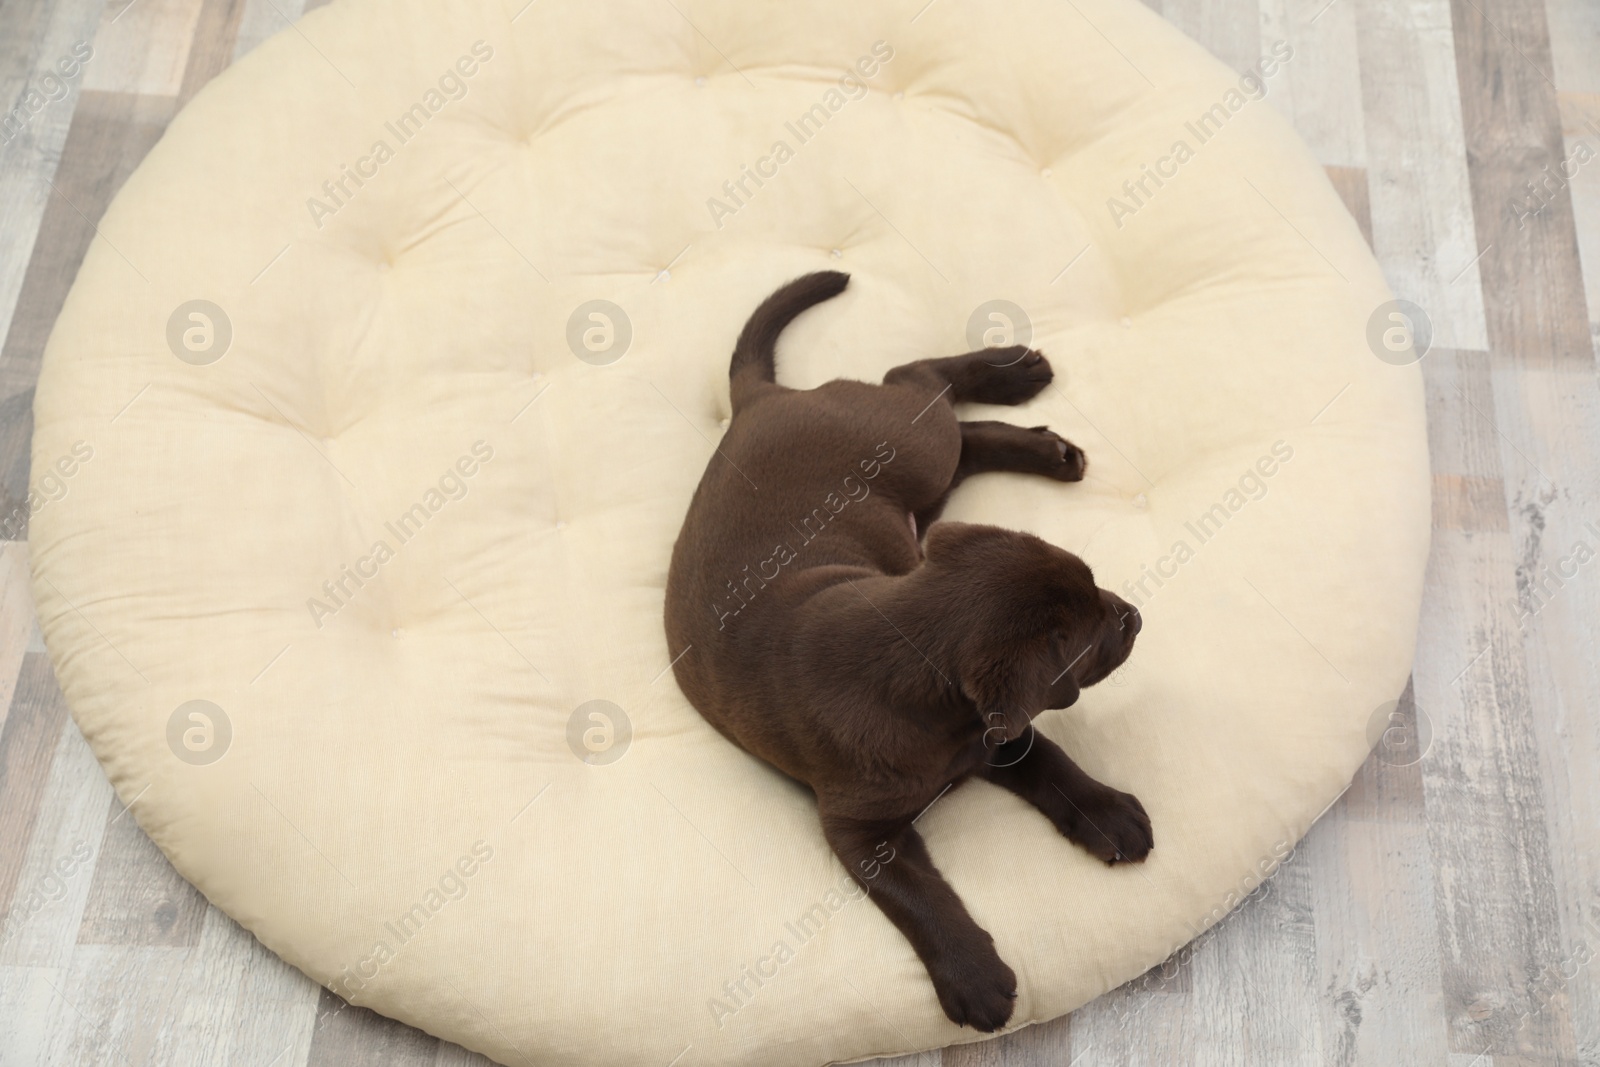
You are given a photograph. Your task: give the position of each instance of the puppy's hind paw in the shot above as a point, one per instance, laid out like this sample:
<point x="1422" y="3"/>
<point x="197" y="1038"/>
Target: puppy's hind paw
<point x="1010" y="376"/>
<point x="1063" y="460"/>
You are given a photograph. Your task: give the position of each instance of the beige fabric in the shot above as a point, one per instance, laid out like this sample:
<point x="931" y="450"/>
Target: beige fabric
<point x="400" y="767"/>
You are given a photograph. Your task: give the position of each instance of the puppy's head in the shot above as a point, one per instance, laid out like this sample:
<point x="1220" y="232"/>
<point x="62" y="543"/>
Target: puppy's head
<point x="1033" y="627"/>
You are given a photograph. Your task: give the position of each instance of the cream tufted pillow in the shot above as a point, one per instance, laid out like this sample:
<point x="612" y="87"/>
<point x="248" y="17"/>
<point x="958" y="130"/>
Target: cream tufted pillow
<point x="385" y="392"/>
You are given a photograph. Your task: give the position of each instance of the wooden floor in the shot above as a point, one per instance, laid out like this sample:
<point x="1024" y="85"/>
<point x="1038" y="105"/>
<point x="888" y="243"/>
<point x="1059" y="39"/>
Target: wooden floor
<point x="1444" y="911"/>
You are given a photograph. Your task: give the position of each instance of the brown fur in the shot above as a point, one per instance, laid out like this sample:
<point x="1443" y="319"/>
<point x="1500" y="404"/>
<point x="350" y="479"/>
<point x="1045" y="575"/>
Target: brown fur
<point x="823" y="638"/>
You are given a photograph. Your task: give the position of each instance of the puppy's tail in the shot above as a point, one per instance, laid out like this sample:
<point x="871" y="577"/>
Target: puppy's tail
<point x="753" y="355"/>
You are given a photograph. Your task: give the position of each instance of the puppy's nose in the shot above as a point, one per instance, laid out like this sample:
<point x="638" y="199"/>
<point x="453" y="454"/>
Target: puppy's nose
<point x="1128" y="617"/>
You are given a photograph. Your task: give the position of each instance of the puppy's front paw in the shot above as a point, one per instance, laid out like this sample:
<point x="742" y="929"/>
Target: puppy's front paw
<point x="1012" y="375"/>
<point x="1063" y="460"/>
<point x="975" y="988"/>
<point x="1111" y="824"/>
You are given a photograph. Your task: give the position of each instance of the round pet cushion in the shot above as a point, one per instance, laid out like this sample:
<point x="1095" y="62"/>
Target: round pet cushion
<point x="381" y="399"/>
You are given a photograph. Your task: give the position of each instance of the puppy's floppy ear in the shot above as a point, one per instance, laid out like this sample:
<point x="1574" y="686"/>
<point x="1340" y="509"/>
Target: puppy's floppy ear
<point x="1010" y="688"/>
<point x="1011" y="677"/>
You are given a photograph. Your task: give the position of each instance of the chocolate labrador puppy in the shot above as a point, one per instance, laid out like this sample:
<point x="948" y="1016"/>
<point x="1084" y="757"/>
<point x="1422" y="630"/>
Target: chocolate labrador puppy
<point x="818" y="633"/>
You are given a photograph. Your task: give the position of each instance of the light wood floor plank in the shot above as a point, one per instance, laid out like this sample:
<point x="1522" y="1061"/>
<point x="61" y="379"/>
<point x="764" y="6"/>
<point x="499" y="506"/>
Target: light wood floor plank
<point x="227" y="1002"/>
<point x="104" y="1002"/>
<point x="212" y="49"/>
<point x="456" y="1056"/>
<point x="1351" y="184"/>
<point x="1469" y="502"/>
<point x="237" y="1005"/>
<point x="1580" y="126"/>
<point x="1546" y="406"/>
<point x="1318" y="88"/>
<point x="111" y="132"/>
<point x="1256" y="990"/>
<point x="1388" y="786"/>
<point x="1553" y="419"/>
<point x="1497" y="911"/>
<point x="137" y="898"/>
<point x="60" y="859"/>
<point x="1047" y="1044"/>
<point x="1230" y="29"/>
<point x="26" y="997"/>
<point x="1575" y="44"/>
<point x="1422" y="224"/>
<point x="16" y="617"/>
<point x="348" y="1036"/>
<point x="1139" y="1026"/>
<point x="1172" y="1015"/>
<point x="27" y="751"/>
<point x="1512" y="126"/>
<point x="1378" y="956"/>
<point x="16" y="422"/>
<point x="39" y="35"/>
<point x="142" y="46"/>
<point x="262" y="19"/>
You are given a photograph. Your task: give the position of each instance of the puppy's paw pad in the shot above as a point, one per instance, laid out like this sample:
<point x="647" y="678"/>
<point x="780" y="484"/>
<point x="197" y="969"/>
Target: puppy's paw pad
<point x="1113" y="826"/>
<point x="979" y="993"/>
<point x="1013" y="375"/>
<point x="1072" y="461"/>
<point x="1063" y="460"/>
